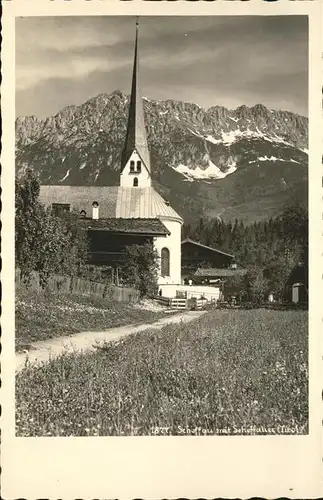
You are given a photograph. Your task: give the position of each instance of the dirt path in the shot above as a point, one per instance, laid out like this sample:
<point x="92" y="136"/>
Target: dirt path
<point x="46" y="350"/>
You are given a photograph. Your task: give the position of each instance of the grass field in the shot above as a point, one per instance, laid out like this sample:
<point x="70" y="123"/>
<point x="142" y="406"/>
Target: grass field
<point x="46" y="315"/>
<point x="230" y="372"/>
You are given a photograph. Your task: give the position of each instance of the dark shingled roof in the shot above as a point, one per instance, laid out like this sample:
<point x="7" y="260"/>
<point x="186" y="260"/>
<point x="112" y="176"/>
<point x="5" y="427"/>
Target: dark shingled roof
<point x="299" y="274"/>
<point x="188" y="240"/>
<point x="219" y="273"/>
<point x="129" y="226"/>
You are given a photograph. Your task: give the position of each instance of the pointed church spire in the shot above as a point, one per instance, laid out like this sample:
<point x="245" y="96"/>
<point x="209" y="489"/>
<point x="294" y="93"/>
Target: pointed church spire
<point x="136" y="138"/>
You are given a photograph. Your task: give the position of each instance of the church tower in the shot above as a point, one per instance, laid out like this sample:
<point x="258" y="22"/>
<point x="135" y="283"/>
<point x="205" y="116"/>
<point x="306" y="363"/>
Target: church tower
<point x="135" y="161"/>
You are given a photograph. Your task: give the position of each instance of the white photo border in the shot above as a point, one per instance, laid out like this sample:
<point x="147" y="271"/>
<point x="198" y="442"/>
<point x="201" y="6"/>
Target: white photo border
<point x="162" y="467"/>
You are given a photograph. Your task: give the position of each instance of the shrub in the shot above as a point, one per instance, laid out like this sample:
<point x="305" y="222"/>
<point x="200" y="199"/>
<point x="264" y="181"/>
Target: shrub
<point x="140" y="268"/>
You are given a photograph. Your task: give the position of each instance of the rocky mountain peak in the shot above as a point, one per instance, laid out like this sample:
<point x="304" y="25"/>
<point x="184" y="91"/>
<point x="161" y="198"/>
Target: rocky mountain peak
<point x="191" y="147"/>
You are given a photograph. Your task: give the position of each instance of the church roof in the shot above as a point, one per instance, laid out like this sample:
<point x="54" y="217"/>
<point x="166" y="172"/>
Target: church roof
<point x="143" y="203"/>
<point x="114" y="201"/>
<point x="128" y="226"/>
<point x="136" y="138"/>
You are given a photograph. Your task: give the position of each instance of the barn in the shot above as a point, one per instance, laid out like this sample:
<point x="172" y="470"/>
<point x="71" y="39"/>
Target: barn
<point x="296" y="286"/>
<point x="196" y="256"/>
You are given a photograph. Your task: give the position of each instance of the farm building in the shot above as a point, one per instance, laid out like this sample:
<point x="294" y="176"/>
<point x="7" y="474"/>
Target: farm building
<point x="131" y="213"/>
<point x="209" y="276"/>
<point x="195" y="256"/>
<point x="296" y="287"/>
<point x="213" y="284"/>
<point x="228" y="280"/>
<point x="201" y="282"/>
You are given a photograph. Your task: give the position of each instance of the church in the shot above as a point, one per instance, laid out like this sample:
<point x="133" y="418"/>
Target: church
<point x="131" y="213"/>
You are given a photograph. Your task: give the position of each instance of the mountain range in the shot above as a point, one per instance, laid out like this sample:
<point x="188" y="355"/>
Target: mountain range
<point x="246" y="163"/>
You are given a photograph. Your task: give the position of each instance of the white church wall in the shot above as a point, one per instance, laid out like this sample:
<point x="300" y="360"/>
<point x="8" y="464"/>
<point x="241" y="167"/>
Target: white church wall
<point x="127" y="176"/>
<point x="173" y="243"/>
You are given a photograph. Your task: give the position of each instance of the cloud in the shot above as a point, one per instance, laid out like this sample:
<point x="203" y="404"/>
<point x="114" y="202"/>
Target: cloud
<point x="207" y="60"/>
<point x="51" y="64"/>
<point x="62" y="33"/>
<point x="55" y="47"/>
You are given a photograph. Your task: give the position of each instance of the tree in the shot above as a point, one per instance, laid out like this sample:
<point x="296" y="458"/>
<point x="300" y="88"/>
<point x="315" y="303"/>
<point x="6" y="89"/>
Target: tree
<point x="43" y="242"/>
<point x="140" y="268"/>
<point x="278" y="270"/>
<point x="78" y="244"/>
<point x="294" y="220"/>
<point x="237" y="286"/>
<point x="259" y="288"/>
<point x="257" y="285"/>
<point x="199" y="232"/>
<point x="259" y="243"/>
<point x="28" y="223"/>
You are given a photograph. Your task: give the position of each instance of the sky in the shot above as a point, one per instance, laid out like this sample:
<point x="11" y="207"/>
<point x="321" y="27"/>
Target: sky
<point x="218" y="60"/>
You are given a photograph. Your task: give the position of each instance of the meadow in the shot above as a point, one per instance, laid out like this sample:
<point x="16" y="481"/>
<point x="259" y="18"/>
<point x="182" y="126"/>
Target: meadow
<point x="40" y="316"/>
<point x="229" y="372"/>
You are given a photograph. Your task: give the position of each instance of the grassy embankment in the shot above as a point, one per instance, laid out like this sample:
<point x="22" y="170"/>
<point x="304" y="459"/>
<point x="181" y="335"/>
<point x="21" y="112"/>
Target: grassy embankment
<point x="46" y="315"/>
<point x="225" y="373"/>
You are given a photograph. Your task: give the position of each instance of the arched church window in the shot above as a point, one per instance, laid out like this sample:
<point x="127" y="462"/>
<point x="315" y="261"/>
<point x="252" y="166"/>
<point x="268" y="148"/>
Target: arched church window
<point x="165" y="258"/>
<point x="132" y="166"/>
<point x="135" y="182"/>
<point x="138" y="166"/>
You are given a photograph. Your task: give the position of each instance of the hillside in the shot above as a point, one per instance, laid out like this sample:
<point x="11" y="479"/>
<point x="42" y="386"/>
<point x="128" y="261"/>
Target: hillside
<point x="242" y="163"/>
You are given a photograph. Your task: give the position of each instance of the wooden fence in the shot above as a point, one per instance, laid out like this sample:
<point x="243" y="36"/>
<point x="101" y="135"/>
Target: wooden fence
<point x="77" y="286"/>
<point x="180" y="303"/>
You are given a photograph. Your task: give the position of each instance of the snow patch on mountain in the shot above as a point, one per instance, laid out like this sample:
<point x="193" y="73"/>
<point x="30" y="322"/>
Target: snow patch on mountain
<point x="267" y="158"/>
<point x="274" y="159"/>
<point x="195" y="133"/>
<point x="185" y="171"/>
<point x="232" y="168"/>
<point x="65" y="176"/>
<point x="276" y="138"/>
<point x="211" y="172"/>
<point x="232" y="136"/>
<point x="214" y="171"/>
<point x="213" y="140"/>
